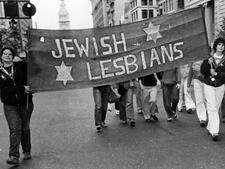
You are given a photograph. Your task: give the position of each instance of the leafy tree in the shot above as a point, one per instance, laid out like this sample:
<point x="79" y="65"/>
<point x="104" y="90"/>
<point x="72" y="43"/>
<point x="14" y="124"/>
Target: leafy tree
<point x="222" y="29"/>
<point x="10" y="36"/>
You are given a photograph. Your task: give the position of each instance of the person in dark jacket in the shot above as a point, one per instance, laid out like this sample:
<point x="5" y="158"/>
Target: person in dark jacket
<point x="149" y="97"/>
<point x="170" y="81"/>
<point x="213" y="70"/>
<point x="17" y="104"/>
<point x="126" y="107"/>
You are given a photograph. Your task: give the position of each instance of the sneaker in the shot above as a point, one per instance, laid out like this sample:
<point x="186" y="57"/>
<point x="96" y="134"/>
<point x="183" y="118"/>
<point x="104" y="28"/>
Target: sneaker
<point x="12" y="160"/>
<point x="117" y="112"/>
<point x="190" y="111"/>
<point x="202" y="123"/>
<point x="124" y="122"/>
<point x="154" y="117"/>
<point x="169" y="119"/>
<point x="104" y="125"/>
<point x="132" y="123"/>
<point x="147" y="120"/>
<point x="215" y="137"/>
<point x="140" y="112"/>
<point x="174" y="115"/>
<point x="99" y="128"/>
<point x="27" y="156"/>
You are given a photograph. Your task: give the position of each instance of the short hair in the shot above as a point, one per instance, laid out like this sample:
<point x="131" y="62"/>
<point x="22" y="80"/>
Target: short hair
<point x="217" y="41"/>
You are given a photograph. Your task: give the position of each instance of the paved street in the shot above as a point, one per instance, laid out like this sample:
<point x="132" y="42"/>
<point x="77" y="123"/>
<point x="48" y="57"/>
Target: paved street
<point x="64" y="137"/>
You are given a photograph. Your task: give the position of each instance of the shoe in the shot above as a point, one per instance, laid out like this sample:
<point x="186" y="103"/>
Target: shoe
<point x="140" y="112"/>
<point x="154" y="117"/>
<point x="215" y="137"/>
<point x="174" y="115"/>
<point x="104" y="125"/>
<point x="27" y="156"/>
<point x="117" y="112"/>
<point x="189" y="111"/>
<point x="124" y="122"/>
<point x="99" y="128"/>
<point x="147" y="120"/>
<point x="169" y="119"/>
<point x="203" y="123"/>
<point x="13" y="160"/>
<point x="132" y="123"/>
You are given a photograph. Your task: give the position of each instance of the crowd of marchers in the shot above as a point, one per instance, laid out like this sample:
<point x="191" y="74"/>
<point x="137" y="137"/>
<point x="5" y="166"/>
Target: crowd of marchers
<point x="206" y="78"/>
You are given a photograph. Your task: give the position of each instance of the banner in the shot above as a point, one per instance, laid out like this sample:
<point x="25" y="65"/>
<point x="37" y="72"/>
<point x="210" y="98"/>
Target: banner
<point x="72" y="59"/>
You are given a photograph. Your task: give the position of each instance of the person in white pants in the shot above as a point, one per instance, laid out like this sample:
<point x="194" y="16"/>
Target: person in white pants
<point x="148" y="85"/>
<point x="185" y="99"/>
<point x="195" y="77"/>
<point x="213" y="70"/>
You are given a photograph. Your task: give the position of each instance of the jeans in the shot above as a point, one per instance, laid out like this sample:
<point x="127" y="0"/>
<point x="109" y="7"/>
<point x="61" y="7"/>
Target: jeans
<point x="170" y="98"/>
<point x="101" y="97"/>
<point x="18" y="119"/>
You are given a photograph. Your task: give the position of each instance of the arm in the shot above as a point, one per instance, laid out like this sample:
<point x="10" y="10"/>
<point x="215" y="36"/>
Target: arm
<point x="205" y="68"/>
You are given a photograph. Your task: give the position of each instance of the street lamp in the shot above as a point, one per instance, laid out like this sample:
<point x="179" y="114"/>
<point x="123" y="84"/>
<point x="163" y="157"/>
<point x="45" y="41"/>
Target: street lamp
<point x="12" y="12"/>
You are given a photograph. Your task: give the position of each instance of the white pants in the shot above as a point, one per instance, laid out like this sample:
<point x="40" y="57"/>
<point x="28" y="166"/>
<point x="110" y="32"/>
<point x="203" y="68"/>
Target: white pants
<point x="149" y="96"/>
<point x="214" y="96"/>
<point x="187" y="100"/>
<point x="200" y="99"/>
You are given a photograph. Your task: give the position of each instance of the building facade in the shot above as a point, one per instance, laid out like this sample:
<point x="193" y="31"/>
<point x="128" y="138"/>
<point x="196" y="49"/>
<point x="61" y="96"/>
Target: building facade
<point x="99" y="13"/>
<point x="214" y="14"/>
<point x="143" y="9"/>
<point x="169" y="6"/>
<point x="114" y="11"/>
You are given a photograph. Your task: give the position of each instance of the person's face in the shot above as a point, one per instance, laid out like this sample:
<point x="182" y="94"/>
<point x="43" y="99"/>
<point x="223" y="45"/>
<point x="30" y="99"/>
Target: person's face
<point x="220" y="47"/>
<point x="7" y="56"/>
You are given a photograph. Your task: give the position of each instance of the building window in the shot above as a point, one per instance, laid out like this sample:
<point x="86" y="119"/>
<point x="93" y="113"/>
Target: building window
<point x="151" y="14"/>
<point x="150" y="2"/>
<point x="143" y="2"/>
<point x="146" y="2"/>
<point x="146" y="15"/>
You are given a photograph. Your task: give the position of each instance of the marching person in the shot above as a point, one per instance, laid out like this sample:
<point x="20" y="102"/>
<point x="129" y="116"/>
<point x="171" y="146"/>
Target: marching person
<point x="149" y="97"/>
<point x="126" y="107"/>
<point x="17" y="104"/>
<point x="196" y="77"/>
<point x="170" y="81"/>
<point x="213" y="70"/>
<point x="185" y="98"/>
<point x="101" y="99"/>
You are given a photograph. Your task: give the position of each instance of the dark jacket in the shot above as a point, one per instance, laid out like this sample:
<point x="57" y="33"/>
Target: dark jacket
<point x="12" y="89"/>
<point x="219" y="68"/>
<point x="148" y="80"/>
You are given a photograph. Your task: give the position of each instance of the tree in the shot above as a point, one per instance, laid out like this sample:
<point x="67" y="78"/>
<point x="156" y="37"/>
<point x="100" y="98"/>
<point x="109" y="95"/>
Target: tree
<point x="11" y="36"/>
<point x="222" y="30"/>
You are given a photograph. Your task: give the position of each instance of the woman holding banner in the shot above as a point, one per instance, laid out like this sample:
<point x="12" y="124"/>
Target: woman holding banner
<point x="213" y="70"/>
<point x="17" y="103"/>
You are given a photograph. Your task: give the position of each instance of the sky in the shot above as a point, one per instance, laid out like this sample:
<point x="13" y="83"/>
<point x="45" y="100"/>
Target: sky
<point x="46" y="16"/>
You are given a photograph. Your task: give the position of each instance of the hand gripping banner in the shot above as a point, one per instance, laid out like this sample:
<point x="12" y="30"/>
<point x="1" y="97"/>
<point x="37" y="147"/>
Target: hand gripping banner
<point x="73" y="59"/>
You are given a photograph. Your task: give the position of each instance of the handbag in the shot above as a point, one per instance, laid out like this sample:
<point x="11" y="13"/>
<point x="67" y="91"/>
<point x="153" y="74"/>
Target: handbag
<point x="113" y="97"/>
